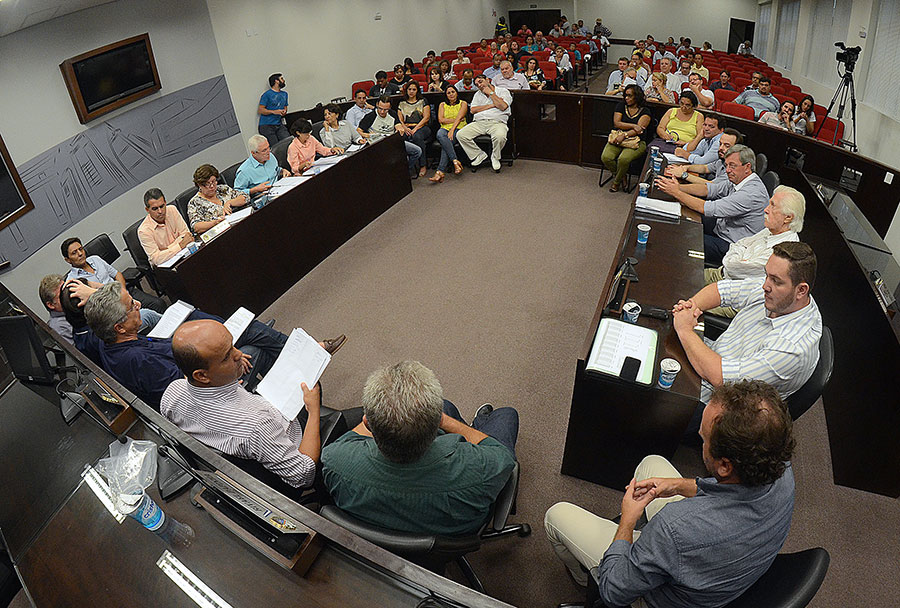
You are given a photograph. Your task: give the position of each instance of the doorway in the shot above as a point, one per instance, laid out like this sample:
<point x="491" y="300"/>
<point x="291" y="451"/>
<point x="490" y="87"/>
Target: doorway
<point x="739" y="31"/>
<point x="537" y="20"/>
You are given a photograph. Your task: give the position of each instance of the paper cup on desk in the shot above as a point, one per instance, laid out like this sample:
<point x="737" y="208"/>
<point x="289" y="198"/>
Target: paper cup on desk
<point x="668" y="369"/>
<point x="654" y="152"/>
<point x="631" y="311"/>
<point x="643" y="188"/>
<point x="643" y="233"/>
<point x="657" y="164"/>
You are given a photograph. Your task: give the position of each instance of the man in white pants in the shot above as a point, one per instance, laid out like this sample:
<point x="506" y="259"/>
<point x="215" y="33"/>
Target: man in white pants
<point x="491" y="108"/>
<point x="706" y="540"/>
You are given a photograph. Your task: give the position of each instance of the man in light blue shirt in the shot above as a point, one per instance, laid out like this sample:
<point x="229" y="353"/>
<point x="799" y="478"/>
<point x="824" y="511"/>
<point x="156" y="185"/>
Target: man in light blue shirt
<point x="761" y="99"/>
<point x="616" y="76"/>
<point x="258" y="173"/>
<point x="360" y="108"/>
<point x="494" y="70"/>
<point x="707" y="150"/>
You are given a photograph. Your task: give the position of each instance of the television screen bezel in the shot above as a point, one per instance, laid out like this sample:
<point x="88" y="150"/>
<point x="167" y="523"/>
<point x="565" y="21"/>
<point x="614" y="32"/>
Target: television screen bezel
<point x="27" y="204"/>
<point x="67" y="68"/>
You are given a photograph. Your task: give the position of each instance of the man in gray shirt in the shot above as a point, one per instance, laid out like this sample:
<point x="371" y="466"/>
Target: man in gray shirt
<point x="706" y="540"/>
<point x="729" y="214"/>
<point x="761" y="99"/>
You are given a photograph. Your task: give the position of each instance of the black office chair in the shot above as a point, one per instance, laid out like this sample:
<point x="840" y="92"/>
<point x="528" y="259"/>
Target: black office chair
<point x="182" y="200"/>
<point x="317" y="129"/>
<point x="762" y="163"/>
<point x="434" y="551"/>
<point x="811" y="390"/>
<point x="103" y="246"/>
<point x="634" y="168"/>
<point x="227" y="176"/>
<point x="280" y="150"/>
<point x="141" y="261"/>
<point x="791" y="581"/>
<point x="772" y="181"/>
<point x="507" y="155"/>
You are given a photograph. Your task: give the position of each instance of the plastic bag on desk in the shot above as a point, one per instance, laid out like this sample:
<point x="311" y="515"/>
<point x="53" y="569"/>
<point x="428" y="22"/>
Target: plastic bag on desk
<point x="130" y="468"/>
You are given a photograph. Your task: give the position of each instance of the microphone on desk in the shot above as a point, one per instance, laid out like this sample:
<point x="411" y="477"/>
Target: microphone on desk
<point x="73" y="402"/>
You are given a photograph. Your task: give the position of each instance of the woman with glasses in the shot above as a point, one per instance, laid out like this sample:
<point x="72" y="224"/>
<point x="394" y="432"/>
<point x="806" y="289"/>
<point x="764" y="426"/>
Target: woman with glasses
<point x="213" y="200"/>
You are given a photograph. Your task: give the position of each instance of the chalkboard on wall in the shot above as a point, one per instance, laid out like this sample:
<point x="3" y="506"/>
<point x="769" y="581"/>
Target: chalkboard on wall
<point x="14" y="199"/>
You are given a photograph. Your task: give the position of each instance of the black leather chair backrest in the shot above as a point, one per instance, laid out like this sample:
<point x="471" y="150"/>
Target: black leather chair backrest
<point x="762" y="164"/>
<point x="103" y="246"/>
<point x="182" y="200"/>
<point x="279" y="151"/>
<point x="227" y="176"/>
<point x="812" y="389"/>
<point x="791" y="581"/>
<point x="134" y="247"/>
<point x="772" y="181"/>
<point x="317" y="130"/>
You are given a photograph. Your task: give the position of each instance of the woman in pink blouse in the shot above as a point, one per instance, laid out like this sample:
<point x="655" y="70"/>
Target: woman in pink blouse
<point x="302" y="151"/>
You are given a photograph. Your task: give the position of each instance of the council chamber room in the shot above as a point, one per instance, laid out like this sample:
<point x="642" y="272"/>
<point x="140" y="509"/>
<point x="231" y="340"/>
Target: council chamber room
<point x="453" y="304"/>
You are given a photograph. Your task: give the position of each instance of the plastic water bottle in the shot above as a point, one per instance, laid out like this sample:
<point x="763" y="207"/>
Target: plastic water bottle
<point x="147" y="512"/>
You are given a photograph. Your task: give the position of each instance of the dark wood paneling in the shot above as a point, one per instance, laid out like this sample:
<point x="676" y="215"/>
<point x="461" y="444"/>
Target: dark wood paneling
<point x="541" y="138"/>
<point x="261" y="257"/>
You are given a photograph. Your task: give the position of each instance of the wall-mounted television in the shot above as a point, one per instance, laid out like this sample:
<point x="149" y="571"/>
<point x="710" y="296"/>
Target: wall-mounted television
<point x="110" y="77"/>
<point x="14" y="199"/>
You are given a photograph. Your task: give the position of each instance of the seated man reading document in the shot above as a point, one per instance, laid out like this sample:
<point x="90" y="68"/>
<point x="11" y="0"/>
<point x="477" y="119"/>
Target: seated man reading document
<point x="163" y="233"/>
<point x="412" y="464"/>
<point x="707" y="540"/>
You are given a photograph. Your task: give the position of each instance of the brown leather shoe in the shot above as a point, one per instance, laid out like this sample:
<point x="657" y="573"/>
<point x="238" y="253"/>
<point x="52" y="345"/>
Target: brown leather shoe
<point x="332" y="345"/>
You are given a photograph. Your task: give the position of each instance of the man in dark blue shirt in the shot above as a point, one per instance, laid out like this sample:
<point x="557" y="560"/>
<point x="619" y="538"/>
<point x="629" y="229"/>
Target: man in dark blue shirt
<point x="146" y="366"/>
<point x="706" y="540"/>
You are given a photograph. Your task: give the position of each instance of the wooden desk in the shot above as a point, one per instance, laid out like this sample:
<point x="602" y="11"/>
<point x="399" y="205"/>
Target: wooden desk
<point x="614" y="423"/>
<point x="261" y="257"/>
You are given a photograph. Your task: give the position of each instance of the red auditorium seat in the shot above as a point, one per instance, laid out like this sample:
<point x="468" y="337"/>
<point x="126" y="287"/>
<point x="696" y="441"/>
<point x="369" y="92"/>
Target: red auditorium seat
<point x="736" y="109"/>
<point x="723" y="95"/>
<point x="362" y="84"/>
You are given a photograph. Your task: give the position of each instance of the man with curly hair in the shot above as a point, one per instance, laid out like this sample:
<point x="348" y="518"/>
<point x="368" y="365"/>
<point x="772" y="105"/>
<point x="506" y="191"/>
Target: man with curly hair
<point x="706" y="540"/>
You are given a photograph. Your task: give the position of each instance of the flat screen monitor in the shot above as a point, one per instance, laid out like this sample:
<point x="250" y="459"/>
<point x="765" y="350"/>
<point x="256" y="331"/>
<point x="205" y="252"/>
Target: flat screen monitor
<point x="23" y="349"/>
<point x="107" y="78"/>
<point x="14" y="199"/>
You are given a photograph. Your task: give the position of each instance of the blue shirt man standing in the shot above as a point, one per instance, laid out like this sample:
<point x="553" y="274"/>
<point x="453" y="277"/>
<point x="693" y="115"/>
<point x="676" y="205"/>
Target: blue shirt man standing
<point x="272" y="109"/>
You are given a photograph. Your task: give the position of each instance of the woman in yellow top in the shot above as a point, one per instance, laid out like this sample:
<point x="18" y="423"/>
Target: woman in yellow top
<point x="452" y="116"/>
<point x="681" y="125"/>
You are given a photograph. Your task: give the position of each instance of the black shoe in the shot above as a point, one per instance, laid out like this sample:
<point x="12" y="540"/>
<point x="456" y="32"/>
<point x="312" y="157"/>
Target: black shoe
<point x="484" y="410"/>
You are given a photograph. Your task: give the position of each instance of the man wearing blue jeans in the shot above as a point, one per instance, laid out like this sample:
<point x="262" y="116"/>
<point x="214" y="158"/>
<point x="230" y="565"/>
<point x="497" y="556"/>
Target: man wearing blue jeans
<point x="413" y="464"/>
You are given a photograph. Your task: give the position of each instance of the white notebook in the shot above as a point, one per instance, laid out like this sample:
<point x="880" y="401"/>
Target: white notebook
<point x="616" y="340"/>
<point x="659" y="207"/>
<point x="301" y="360"/>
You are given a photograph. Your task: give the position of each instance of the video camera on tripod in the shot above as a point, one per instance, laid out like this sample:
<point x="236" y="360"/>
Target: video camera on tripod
<point x="847" y="56"/>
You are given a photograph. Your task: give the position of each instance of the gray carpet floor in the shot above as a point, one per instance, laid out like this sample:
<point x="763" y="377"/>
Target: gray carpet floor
<point x="491" y="280"/>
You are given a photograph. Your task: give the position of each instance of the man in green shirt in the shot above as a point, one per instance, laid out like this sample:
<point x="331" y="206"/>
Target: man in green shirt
<point x="412" y="464"/>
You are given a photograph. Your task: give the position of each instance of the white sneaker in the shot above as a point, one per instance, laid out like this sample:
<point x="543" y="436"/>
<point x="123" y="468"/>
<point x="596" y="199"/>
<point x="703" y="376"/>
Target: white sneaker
<point x="479" y="159"/>
<point x="495" y="163"/>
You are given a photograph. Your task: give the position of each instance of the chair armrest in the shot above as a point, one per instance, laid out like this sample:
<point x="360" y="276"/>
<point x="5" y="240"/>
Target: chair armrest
<point x="132" y="275"/>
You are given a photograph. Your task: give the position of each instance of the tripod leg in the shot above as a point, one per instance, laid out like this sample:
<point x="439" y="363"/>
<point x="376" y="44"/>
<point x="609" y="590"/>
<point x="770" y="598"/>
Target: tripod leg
<point x="853" y="113"/>
<point x="837" y="92"/>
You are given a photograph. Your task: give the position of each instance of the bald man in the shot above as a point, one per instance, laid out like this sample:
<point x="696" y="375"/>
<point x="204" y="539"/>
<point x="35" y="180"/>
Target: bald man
<point x="211" y="405"/>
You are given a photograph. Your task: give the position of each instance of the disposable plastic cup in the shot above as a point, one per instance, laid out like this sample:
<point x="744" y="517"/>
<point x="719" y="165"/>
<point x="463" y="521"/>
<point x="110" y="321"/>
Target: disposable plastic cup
<point x="668" y="369"/>
<point x="631" y="311"/>
<point x="643" y="234"/>
<point x="643" y="188"/>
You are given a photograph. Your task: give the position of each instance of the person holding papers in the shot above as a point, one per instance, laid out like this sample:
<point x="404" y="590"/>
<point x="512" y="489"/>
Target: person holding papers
<point x="146" y="366"/>
<point x="302" y="152"/>
<point x="210" y="404"/>
<point x="213" y="200"/>
<point x="163" y="233"/>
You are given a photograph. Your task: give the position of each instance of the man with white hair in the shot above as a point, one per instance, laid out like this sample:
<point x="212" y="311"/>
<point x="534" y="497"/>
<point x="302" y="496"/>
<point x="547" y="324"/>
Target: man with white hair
<point x="259" y="172"/>
<point x="412" y="464"/>
<point x="509" y="79"/>
<point x="747" y="257"/>
<point x="491" y="109"/>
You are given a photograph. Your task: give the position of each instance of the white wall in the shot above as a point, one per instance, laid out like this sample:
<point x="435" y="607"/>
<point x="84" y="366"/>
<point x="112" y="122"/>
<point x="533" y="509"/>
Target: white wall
<point x="36" y="112"/>
<point x="322" y="46"/>
<point x="878" y="135"/>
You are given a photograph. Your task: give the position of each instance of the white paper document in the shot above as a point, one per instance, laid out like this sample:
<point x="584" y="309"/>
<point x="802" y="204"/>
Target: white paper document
<point x="355" y="148"/>
<point x="285" y="184"/>
<point x="674" y="160"/>
<point x="658" y="207"/>
<point x="237" y="216"/>
<point x="174" y="259"/>
<point x="171" y="319"/>
<point x="616" y="340"/>
<point x="301" y="360"/>
<point x="238" y="323"/>
<point x="326" y="162"/>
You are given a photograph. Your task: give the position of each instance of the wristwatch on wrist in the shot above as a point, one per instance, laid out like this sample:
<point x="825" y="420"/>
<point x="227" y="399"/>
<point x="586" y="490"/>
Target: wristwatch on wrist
<point x="684" y="175"/>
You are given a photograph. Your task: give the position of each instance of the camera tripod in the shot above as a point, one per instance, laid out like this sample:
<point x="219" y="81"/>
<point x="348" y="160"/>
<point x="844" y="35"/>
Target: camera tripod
<point x="844" y="90"/>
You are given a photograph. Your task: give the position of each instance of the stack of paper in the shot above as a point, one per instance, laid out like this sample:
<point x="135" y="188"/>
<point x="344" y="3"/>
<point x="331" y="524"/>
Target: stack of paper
<point x="285" y="184"/>
<point x="355" y="148"/>
<point x="172" y="260"/>
<point x="674" y="160"/>
<point x="616" y="340"/>
<point x="171" y="319"/>
<point x="237" y="216"/>
<point x="326" y="162"/>
<point x="301" y="360"/>
<point x="238" y="323"/>
<point x="654" y="206"/>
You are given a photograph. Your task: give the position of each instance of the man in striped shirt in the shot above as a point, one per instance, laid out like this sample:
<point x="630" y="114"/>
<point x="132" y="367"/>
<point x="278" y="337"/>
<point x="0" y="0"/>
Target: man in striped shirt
<point x="775" y="335"/>
<point x="211" y="405"/>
